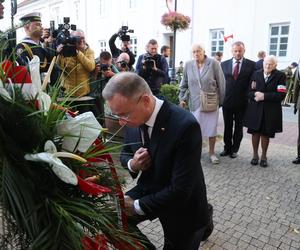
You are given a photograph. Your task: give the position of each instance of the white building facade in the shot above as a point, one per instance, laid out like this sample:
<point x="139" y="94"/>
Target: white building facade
<point x="269" y="25"/>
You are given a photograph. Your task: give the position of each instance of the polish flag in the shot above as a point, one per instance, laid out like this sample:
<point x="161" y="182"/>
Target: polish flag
<point x="281" y="89"/>
<point x="226" y="38"/>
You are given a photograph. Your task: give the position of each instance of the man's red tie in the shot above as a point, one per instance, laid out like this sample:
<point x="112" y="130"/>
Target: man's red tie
<point x="236" y="70"/>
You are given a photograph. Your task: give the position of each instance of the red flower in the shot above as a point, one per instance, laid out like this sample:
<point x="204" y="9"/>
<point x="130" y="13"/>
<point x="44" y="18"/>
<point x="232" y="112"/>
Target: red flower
<point x="175" y="21"/>
<point x="91" y="188"/>
<point x="17" y="74"/>
<point x="98" y="243"/>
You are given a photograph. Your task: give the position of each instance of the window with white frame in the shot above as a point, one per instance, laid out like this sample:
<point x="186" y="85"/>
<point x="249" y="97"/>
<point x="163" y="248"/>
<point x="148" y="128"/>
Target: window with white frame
<point x="56" y="14"/>
<point x="279" y="36"/>
<point x="102" y="7"/>
<point x="132" y="4"/>
<point x="76" y="8"/>
<point x="133" y="42"/>
<point x="217" y="41"/>
<point x="102" y="44"/>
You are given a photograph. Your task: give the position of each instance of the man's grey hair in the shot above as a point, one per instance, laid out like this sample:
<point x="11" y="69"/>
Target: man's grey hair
<point x="238" y="43"/>
<point x="271" y="58"/>
<point x="127" y="84"/>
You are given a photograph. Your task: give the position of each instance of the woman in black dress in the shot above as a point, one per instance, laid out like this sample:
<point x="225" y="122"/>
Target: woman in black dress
<point x="263" y="117"/>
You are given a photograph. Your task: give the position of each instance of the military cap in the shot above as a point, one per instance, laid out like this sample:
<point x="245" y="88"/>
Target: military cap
<point x="31" y="17"/>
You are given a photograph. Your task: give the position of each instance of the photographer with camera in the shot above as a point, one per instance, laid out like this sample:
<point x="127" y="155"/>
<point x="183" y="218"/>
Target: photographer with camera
<point x="122" y="62"/>
<point x="153" y="67"/>
<point x="31" y="45"/>
<point x="125" y="45"/>
<point x="103" y="72"/>
<point x="77" y="63"/>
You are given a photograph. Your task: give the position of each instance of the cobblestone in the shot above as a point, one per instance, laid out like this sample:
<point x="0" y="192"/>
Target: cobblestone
<point x="254" y="207"/>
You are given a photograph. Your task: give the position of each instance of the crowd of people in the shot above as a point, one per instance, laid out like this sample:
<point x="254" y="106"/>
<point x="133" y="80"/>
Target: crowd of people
<point x="163" y="141"/>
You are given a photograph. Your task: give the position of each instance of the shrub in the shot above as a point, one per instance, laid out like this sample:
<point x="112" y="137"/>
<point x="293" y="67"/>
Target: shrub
<point x="170" y="92"/>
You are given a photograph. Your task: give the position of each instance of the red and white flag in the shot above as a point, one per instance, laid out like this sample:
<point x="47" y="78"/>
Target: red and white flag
<point x="281" y="89"/>
<point x="226" y="38"/>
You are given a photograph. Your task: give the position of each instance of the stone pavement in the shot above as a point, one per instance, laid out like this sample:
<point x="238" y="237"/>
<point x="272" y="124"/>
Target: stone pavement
<point x="254" y="207"/>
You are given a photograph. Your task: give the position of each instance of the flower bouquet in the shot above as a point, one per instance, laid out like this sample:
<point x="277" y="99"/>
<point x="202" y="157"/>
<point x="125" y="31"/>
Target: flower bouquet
<point x="58" y="185"/>
<point x="175" y="21"/>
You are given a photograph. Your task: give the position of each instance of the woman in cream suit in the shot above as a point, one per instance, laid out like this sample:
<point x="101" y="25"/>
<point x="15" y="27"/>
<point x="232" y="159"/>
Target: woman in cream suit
<point x="207" y="73"/>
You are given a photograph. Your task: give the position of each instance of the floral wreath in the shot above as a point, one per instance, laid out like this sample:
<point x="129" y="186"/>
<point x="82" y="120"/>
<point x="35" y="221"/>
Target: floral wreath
<point x="58" y="185"/>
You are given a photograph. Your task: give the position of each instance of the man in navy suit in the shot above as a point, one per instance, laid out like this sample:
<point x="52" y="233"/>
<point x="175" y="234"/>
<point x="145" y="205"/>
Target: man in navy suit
<point x="237" y="72"/>
<point x="166" y="153"/>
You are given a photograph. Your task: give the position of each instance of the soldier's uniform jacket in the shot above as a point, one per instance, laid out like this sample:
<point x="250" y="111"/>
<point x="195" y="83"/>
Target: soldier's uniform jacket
<point x="27" y="48"/>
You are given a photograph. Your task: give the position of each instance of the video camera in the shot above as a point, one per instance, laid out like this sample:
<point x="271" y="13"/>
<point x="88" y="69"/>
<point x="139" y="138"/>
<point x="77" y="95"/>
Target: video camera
<point x="123" y="33"/>
<point x="62" y="36"/>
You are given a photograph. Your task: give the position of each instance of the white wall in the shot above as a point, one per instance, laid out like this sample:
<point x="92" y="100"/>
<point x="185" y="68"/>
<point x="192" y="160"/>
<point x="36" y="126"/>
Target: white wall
<point x="248" y="21"/>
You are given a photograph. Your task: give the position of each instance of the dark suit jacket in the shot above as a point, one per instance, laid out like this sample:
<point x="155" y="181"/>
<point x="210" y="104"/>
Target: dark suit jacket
<point x="259" y="64"/>
<point x="173" y="187"/>
<point x="270" y="108"/>
<point x="236" y="90"/>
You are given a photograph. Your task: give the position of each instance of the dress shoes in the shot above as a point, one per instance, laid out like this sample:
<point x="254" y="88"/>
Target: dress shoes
<point x="233" y="155"/>
<point x="263" y="163"/>
<point x="224" y="153"/>
<point x="254" y="161"/>
<point x="296" y="161"/>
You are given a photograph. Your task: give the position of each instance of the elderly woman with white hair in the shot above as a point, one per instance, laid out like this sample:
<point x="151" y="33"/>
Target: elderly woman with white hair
<point x="263" y="117"/>
<point x="204" y="74"/>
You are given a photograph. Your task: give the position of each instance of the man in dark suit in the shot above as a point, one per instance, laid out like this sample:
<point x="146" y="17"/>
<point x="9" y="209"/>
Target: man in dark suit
<point x="296" y="100"/>
<point x="237" y="72"/>
<point x="167" y="152"/>
<point x="259" y="64"/>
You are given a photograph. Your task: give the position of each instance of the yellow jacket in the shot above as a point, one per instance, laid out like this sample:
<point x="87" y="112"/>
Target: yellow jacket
<point x="77" y="72"/>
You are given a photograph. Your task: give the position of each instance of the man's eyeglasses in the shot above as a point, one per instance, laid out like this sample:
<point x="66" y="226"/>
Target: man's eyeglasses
<point x="125" y="116"/>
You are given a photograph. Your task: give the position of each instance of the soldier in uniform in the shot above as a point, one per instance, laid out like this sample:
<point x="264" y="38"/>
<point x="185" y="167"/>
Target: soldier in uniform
<point x="296" y="100"/>
<point x="31" y="44"/>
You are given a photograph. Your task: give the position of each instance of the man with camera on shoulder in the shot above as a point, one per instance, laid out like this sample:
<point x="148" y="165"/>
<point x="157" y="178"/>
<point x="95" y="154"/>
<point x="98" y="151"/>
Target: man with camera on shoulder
<point x="77" y="62"/>
<point x="153" y="67"/>
<point x="125" y="45"/>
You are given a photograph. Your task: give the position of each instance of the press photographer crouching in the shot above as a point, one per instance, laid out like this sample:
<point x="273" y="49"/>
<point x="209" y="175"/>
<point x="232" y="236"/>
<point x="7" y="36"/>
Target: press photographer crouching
<point x="153" y="67"/>
<point x="104" y="70"/>
<point x="125" y="45"/>
<point x="77" y="62"/>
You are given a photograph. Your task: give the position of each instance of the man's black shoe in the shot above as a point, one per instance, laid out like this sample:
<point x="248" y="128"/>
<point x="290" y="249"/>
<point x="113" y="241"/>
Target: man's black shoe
<point x="254" y="161"/>
<point x="233" y="155"/>
<point x="224" y="153"/>
<point x="296" y="161"/>
<point x="263" y="163"/>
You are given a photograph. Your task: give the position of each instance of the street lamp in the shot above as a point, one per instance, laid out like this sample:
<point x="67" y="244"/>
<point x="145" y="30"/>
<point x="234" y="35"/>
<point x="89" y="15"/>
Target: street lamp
<point x="173" y="76"/>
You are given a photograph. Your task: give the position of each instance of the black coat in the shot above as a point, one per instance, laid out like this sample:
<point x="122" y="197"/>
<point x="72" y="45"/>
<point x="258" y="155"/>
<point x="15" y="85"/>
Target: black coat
<point x="173" y="188"/>
<point x="269" y="110"/>
<point x="24" y="56"/>
<point x="236" y="90"/>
